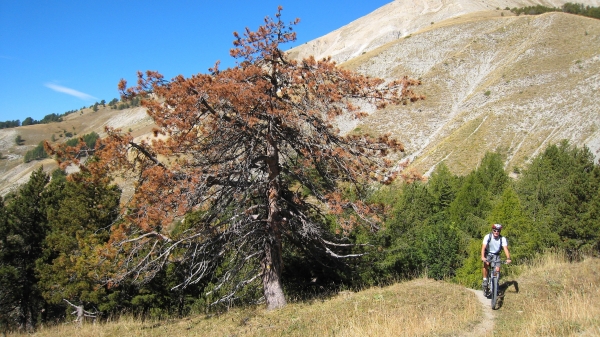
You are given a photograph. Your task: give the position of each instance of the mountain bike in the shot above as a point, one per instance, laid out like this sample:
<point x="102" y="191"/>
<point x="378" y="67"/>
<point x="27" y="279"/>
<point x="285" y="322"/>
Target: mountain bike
<point x="493" y="280"/>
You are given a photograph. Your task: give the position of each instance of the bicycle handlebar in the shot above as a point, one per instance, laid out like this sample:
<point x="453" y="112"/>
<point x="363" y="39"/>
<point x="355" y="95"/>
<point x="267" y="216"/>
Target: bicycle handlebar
<point x="497" y="262"/>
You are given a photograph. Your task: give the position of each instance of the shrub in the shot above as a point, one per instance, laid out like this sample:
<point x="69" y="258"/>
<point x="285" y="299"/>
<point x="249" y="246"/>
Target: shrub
<point x="89" y="140"/>
<point x="36" y="154"/>
<point x="469" y="274"/>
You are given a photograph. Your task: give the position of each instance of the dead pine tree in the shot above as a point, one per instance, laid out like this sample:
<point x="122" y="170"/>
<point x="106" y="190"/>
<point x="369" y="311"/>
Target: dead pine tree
<point x="252" y="152"/>
<point x="81" y="313"/>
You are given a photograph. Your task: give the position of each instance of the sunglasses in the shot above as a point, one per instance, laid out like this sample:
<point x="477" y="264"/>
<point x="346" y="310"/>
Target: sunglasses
<point x="495" y="231"/>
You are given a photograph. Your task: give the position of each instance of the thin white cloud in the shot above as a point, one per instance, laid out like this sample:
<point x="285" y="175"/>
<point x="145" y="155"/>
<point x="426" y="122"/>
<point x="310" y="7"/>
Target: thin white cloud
<point x="69" y="91"/>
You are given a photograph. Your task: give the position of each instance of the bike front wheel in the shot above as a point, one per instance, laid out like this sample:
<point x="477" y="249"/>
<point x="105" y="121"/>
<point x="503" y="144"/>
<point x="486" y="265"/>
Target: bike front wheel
<point x="494" y="292"/>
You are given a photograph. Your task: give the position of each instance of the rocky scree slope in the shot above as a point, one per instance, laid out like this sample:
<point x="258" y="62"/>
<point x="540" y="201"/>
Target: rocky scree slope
<point x="401" y="18"/>
<point x="511" y="84"/>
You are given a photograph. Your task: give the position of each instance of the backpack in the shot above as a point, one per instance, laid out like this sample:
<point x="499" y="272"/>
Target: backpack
<point x="487" y="247"/>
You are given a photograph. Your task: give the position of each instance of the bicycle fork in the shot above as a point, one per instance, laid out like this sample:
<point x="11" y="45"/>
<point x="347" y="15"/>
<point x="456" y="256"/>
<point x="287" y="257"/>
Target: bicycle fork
<point x="494" y="280"/>
<point x="492" y="274"/>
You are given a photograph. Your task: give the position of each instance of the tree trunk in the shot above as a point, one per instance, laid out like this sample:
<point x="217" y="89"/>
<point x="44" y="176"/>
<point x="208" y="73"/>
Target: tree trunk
<point x="271" y="275"/>
<point x="80" y="317"/>
<point x="26" y="318"/>
<point x="272" y="263"/>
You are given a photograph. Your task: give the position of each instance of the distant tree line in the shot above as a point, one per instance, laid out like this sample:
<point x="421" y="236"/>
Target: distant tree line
<point x="88" y="139"/>
<point x="125" y="104"/>
<point x="569" y="7"/>
<point x="30" y="121"/>
<point x="113" y="104"/>
<point x="54" y="233"/>
<point x="10" y="124"/>
<point x="37" y="153"/>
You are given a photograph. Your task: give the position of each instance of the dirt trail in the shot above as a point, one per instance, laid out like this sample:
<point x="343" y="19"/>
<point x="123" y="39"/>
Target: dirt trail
<point x="486" y="326"/>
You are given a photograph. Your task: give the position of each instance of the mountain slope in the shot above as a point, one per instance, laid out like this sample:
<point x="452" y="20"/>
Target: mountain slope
<point x="14" y="172"/>
<point x="401" y="18"/>
<point x="513" y="84"/>
<point x="494" y="81"/>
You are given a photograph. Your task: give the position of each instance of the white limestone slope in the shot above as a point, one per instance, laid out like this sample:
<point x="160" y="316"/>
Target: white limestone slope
<point x="401" y="18"/>
<point x="512" y="84"/>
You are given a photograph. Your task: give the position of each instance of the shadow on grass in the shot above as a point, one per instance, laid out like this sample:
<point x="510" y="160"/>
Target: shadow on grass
<point x="502" y="290"/>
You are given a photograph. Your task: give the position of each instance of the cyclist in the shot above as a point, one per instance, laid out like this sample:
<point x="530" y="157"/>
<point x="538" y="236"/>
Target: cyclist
<point x="493" y="244"/>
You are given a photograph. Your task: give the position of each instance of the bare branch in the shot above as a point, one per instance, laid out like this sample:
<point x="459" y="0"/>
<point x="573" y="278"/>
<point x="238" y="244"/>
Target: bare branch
<point x="235" y="144"/>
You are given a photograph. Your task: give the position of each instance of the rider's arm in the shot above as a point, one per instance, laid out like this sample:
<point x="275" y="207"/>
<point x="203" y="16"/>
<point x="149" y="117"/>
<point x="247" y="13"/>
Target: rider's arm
<point x="507" y="254"/>
<point x="483" y="258"/>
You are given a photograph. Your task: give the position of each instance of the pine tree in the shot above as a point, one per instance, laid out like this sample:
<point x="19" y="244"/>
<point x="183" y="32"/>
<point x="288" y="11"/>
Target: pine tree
<point x="241" y="145"/>
<point x="491" y="173"/>
<point x="558" y="191"/>
<point x="80" y="219"/>
<point x="471" y="206"/>
<point x="25" y="231"/>
<point x="442" y="187"/>
<point x="524" y="239"/>
<point x="413" y="208"/>
<point x="9" y="274"/>
<point x="440" y="244"/>
<point x="401" y="252"/>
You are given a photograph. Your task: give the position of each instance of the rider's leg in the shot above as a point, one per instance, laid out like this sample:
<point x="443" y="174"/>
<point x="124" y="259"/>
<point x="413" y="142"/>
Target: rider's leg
<point x="485" y="276"/>
<point x="497" y="263"/>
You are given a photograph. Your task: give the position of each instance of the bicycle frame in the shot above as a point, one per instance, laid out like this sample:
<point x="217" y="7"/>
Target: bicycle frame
<point x="494" y="279"/>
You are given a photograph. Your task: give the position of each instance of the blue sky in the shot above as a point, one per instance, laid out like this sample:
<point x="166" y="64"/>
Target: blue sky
<point x="57" y="56"/>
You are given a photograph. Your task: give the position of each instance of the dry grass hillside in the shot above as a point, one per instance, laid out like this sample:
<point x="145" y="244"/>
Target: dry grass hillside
<point x="513" y="84"/>
<point x="550" y="297"/>
<point x="493" y="81"/>
<point x="13" y="170"/>
<point x="555" y="298"/>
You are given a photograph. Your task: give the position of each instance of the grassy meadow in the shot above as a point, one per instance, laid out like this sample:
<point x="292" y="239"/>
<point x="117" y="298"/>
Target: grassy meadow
<point x="549" y="297"/>
<point x="555" y="298"/>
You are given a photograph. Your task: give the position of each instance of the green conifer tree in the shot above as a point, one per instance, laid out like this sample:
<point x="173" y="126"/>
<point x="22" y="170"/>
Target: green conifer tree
<point x="491" y="173"/>
<point x="558" y="191"/>
<point x="9" y="285"/>
<point x="471" y="206"/>
<point x="80" y="219"/>
<point x="524" y="239"/>
<point x="442" y="187"/>
<point x="24" y="232"/>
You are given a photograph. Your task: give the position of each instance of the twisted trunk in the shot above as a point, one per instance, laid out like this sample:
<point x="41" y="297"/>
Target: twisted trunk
<point x="272" y="263"/>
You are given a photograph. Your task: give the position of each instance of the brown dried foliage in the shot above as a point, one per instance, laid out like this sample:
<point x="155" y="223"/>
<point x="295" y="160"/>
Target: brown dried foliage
<point x="231" y="144"/>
